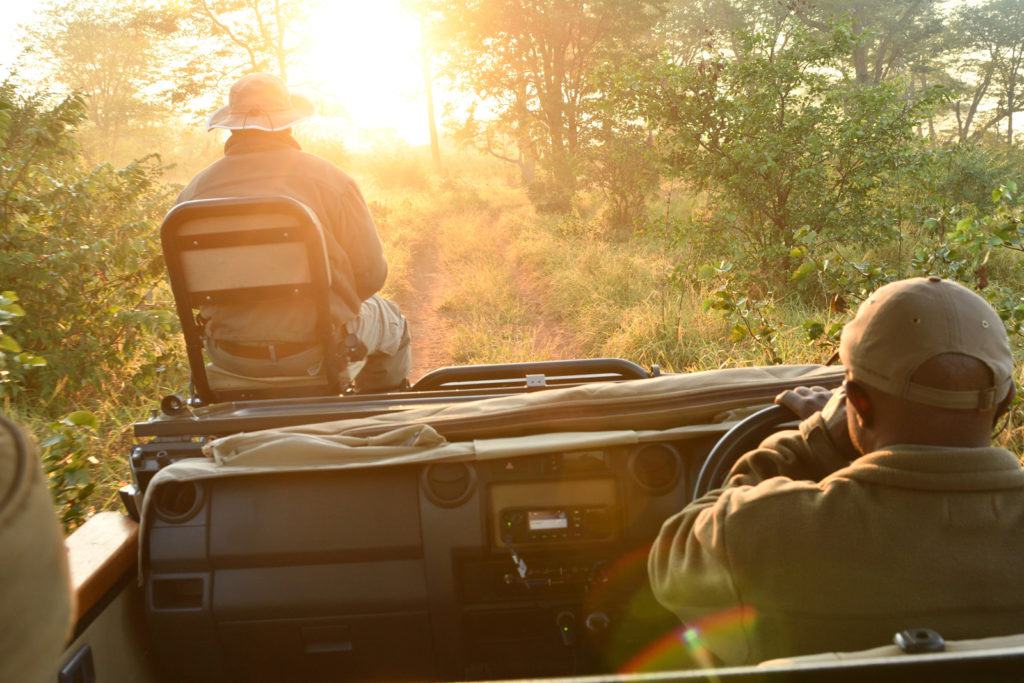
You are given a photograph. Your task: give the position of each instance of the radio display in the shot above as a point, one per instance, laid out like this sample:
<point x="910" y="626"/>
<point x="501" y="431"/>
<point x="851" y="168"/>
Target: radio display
<point x="541" y="520"/>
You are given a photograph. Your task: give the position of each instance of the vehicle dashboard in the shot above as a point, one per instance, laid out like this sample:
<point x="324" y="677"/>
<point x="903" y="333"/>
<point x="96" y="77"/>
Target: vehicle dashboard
<point x="517" y="566"/>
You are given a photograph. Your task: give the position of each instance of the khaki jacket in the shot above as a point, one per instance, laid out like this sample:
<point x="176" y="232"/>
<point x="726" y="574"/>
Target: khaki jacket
<point x="803" y="552"/>
<point x="273" y="164"/>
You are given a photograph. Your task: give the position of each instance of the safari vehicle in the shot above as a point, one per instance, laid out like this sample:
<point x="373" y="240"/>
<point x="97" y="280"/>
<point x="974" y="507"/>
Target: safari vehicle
<point x="488" y="522"/>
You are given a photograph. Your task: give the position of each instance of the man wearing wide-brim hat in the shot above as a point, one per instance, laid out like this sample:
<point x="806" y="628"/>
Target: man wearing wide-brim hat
<point x="262" y="158"/>
<point x="888" y="510"/>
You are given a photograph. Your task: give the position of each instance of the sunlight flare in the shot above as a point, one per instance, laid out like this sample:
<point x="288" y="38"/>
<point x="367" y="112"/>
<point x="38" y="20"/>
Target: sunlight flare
<point x="363" y="67"/>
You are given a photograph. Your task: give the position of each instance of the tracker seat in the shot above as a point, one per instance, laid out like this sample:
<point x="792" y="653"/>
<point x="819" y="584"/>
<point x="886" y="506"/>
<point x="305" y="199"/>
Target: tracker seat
<point x="259" y="259"/>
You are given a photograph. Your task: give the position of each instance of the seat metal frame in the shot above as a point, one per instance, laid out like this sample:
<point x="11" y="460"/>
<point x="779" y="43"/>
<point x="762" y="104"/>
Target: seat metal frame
<point x="307" y="231"/>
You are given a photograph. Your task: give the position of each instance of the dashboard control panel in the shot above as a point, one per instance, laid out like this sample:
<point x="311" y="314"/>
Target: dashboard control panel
<point x="555" y="510"/>
<point x="555" y="524"/>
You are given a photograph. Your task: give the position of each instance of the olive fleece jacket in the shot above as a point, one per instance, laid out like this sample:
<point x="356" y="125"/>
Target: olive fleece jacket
<point x="803" y="551"/>
<point x="258" y="163"/>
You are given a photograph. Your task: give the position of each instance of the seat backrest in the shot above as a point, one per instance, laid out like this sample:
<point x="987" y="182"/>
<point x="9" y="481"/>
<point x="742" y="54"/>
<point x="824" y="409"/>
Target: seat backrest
<point x="242" y="253"/>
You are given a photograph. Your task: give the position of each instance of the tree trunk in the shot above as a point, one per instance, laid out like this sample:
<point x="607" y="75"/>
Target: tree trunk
<point x="860" y="56"/>
<point x="979" y="94"/>
<point x="559" y="162"/>
<point x="932" y="136"/>
<point x="563" y="179"/>
<point x="561" y="157"/>
<point x="524" y="138"/>
<point x="428" y="86"/>
<point x="279" y="51"/>
<point x="1011" y="101"/>
<point x="527" y="166"/>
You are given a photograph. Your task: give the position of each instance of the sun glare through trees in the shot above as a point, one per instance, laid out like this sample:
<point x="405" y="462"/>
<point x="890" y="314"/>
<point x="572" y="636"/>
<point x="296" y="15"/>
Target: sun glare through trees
<point x="360" y="62"/>
<point x="363" y="63"/>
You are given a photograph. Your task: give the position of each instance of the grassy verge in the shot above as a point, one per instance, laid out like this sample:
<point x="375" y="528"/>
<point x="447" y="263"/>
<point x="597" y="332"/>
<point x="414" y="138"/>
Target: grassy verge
<point x="539" y="287"/>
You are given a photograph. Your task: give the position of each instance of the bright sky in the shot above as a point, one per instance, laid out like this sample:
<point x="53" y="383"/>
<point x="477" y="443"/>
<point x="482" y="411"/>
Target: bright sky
<point x="13" y="15"/>
<point x="363" y="67"/>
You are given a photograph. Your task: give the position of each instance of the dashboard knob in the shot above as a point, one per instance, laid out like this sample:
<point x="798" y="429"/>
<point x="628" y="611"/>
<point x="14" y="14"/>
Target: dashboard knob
<point x="597" y="622"/>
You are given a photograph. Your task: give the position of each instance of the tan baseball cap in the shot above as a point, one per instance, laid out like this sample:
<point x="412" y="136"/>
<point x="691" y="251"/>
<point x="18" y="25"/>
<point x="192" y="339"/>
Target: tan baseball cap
<point x="905" y="323"/>
<point x="261" y="102"/>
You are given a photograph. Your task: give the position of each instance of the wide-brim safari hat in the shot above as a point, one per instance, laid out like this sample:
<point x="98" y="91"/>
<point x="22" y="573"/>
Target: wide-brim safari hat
<point x="261" y="102"/>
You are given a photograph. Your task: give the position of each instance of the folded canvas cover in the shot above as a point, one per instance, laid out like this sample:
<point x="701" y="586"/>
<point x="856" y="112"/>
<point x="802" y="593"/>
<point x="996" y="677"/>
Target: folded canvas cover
<point x="657" y="403"/>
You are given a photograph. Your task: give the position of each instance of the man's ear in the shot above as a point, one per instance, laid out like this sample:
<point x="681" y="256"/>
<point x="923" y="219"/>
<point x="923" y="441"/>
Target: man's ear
<point x="1005" y="404"/>
<point x="861" y="402"/>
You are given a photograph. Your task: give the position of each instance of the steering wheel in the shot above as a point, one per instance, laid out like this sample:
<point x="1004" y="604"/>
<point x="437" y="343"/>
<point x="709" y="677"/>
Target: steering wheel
<point x="742" y="438"/>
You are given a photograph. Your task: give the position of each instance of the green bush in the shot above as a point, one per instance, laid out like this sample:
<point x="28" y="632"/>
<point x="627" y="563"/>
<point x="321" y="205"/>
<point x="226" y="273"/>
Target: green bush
<point x="14" y="360"/>
<point x="82" y="244"/>
<point x="68" y="465"/>
<point x="95" y="322"/>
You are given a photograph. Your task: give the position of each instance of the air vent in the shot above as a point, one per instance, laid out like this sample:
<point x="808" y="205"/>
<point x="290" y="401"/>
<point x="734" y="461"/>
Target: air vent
<point x="655" y="467"/>
<point x="449" y="484"/>
<point x="177" y="502"/>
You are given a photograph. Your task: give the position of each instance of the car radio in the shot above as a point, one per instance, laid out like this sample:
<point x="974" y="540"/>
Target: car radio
<point x="553" y="524"/>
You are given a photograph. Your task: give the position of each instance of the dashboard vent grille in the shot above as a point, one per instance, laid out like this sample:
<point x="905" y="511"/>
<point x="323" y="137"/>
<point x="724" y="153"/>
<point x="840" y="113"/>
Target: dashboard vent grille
<point x="655" y="467"/>
<point x="449" y="484"/>
<point x="177" y="501"/>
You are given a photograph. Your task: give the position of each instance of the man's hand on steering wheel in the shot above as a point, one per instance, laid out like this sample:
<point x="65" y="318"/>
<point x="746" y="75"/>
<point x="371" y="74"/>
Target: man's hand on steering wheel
<point x="801" y="402"/>
<point x="806" y="401"/>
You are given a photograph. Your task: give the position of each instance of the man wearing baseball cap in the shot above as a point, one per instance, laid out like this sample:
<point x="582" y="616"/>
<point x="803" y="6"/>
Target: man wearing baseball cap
<point x="262" y="158"/>
<point x="887" y="510"/>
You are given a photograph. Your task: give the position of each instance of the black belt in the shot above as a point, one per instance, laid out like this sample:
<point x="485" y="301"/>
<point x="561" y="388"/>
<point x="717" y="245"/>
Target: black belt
<point x="265" y="351"/>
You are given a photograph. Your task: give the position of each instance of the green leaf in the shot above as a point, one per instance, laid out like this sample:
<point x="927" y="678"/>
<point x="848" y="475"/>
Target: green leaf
<point x="813" y="328"/>
<point x="738" y="332"/>
<point x="805" y="269"/>
<point x="12" y="310"/>
<point x="805" y="234"/>
<point x="30" y="360"/>
<point x="76" y="477"/>
<point x="82" y="418"/>
<point x="54" y="440"/>
<point x="9" y="343"/>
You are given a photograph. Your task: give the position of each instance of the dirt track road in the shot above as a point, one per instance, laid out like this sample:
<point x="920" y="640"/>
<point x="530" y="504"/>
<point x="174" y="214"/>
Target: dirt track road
<point x="427" y="323"/>
<point x="470" y="299"/>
